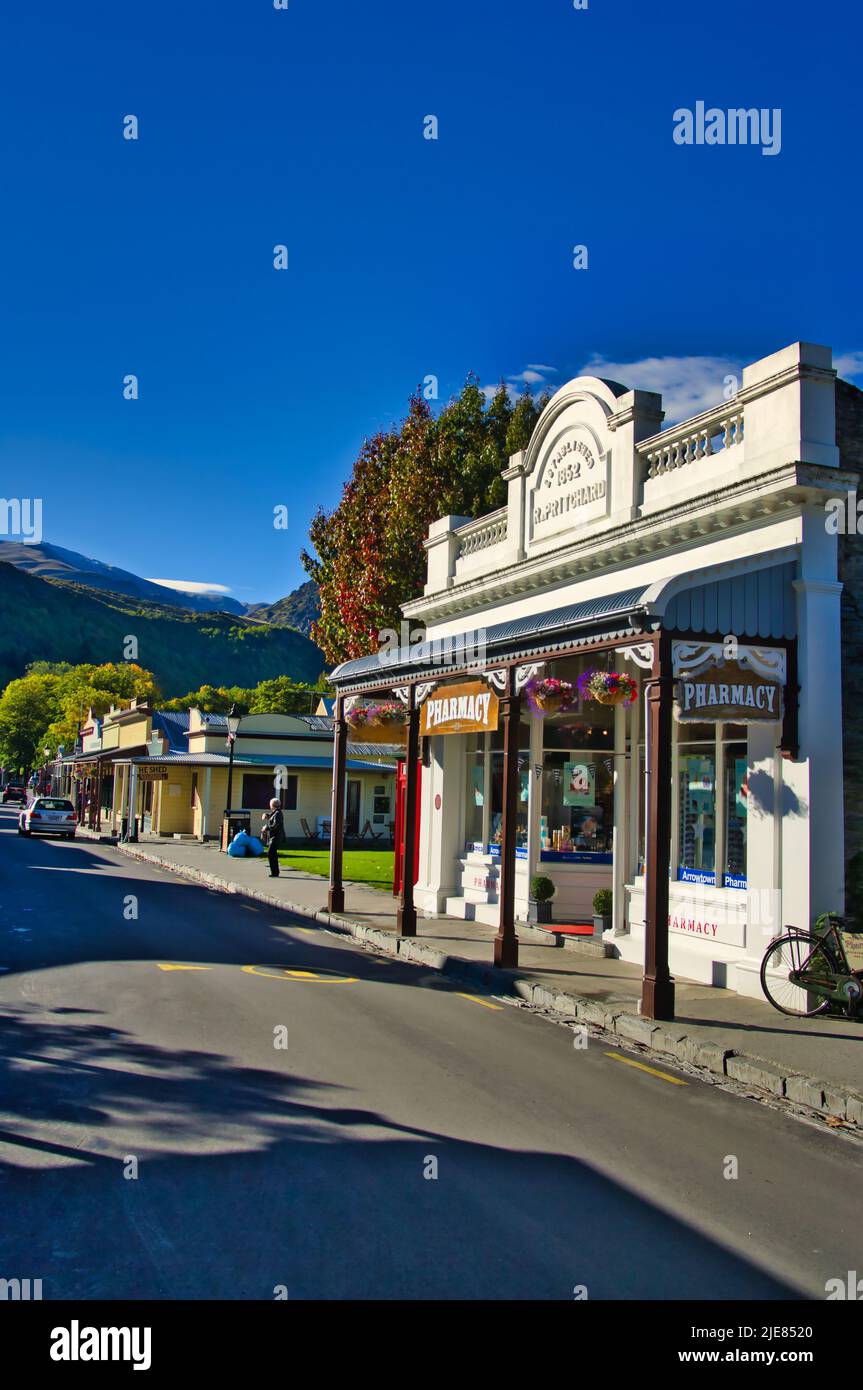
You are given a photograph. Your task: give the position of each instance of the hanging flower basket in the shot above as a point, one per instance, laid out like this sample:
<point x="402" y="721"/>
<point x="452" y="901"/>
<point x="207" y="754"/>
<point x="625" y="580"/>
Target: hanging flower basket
<point x="548" y="695"/>
<point x="607" y="687"/>
<point x="387" y="714"/>
<point x="357" y="718"/>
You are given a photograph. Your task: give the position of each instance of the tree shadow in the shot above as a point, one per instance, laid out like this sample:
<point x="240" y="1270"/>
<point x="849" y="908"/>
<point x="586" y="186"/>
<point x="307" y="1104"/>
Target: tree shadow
<point x="249" y="1178"/>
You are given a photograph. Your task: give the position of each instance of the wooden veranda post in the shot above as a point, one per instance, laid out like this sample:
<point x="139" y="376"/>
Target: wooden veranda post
<point x="506" y="941"/>
<point x="657" y="990"/>
<point x="336" y="896"/>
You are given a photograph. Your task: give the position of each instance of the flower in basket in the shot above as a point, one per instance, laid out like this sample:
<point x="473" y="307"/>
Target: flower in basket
<point x="387" y="712"/>
<point x="357" y="717"/>
<point x="548" y="694"/>
<point x="607" y="687"/>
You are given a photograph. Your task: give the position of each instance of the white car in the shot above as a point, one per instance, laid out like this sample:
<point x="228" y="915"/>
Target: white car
<point x="49" y="815"/>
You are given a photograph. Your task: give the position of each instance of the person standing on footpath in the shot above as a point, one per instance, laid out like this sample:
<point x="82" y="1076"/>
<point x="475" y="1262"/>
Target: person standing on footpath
<point x="275" y="828"/>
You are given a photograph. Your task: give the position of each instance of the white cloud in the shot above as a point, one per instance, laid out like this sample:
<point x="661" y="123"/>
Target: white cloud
<point x="687" y="385"/>
<point x="534" y="376"/>
<point x="849" y="363"/>
<point x="191" y="586"/>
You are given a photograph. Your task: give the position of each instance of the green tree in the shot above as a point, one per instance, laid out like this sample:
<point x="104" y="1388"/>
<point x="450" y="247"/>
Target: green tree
<point x="284" y="696"/>
<point x="27" y="708"/>
<point x="368" y="552"/>
<point x="45" y="708"/>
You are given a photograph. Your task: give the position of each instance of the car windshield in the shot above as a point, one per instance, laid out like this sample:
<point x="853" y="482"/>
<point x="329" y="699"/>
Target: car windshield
<point x="54" y="803"/>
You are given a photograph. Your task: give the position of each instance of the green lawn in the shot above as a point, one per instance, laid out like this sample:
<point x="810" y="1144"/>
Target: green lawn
<point x="372" y="866"/>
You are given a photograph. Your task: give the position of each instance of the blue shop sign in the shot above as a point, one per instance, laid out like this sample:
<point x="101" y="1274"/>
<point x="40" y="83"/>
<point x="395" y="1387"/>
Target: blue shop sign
<point x="705" y="876"/>
<point x="708" y="878"/>
<point x="520" y="851"/>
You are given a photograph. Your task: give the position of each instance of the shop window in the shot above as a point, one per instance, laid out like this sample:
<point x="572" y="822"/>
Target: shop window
<point x="577" y="813"/>
<point x="736" y="808"/>
<point x="577" y="816"/>
<point x="484" y="792"/>
<point x="475" y="793"/>
<point x="258" y="791"/>
<point x="696" y="793"/>
<point x="712" y="771"/>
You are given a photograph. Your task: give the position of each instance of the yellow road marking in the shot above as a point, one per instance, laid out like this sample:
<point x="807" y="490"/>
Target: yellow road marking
<point x="286" y="974"/>
<point x="185" y="967"/>
<point x="475" y="999"/>
<point x="642" y="1066"/>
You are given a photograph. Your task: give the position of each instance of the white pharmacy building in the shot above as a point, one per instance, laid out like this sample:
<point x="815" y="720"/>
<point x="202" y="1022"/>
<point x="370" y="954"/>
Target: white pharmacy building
<point x="633" y="674"/>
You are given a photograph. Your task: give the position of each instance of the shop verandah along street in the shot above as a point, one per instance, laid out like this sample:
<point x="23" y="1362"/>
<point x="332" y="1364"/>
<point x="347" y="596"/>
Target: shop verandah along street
<point x="700" y="576"/>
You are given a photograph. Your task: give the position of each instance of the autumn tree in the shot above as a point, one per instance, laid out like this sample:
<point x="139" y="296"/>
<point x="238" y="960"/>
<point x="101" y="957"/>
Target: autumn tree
<point x="369" y="557"/>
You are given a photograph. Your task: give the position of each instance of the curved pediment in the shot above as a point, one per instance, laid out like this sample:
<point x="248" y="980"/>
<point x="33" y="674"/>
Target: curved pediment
<point x="568" y="460"/>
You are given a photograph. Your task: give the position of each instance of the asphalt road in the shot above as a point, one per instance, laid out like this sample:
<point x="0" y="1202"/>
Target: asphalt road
<point x="304" y="1168"/>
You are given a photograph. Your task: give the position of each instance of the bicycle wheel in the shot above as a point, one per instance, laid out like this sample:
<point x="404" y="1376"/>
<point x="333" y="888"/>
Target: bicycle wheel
<point x="792" y="953"/>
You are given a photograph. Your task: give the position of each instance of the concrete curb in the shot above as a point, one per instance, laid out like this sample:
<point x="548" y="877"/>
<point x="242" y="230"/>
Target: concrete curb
<point x="622" y="1022"/>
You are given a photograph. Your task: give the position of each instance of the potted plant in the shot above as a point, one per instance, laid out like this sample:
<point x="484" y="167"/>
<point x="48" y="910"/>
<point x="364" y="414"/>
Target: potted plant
<point x="548" y="694"/>
<point x="603" y="903"/>
<point x="542" y="890"/>
<point x="607" y="687"/>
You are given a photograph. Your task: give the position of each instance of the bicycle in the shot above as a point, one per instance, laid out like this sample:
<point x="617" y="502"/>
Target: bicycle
<point x="803" y="973"/>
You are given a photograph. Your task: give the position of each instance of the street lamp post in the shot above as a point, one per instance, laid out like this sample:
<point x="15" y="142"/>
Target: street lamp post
<point x="45" y="785"/>
<point x="233" y="726"/>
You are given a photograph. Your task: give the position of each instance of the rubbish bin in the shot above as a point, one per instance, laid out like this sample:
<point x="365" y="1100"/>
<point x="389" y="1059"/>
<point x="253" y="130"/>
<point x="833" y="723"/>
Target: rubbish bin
<point x="232" y="823"/>
<point x="129" y="833"/>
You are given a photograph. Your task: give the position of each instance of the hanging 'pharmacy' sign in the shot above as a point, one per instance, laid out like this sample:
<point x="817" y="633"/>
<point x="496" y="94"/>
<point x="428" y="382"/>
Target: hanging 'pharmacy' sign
<point x="460" y="709"/>
<point x="728" y="692"/>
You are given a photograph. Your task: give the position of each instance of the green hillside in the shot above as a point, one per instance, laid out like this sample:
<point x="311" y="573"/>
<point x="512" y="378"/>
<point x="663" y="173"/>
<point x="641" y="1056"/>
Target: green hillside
<point x="49" y="620"/>
<point x="298" y="609"/>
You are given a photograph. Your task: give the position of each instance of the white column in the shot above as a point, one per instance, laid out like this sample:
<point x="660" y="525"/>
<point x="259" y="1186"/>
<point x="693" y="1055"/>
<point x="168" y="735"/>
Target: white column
<point x="619" y="836"/>
<point x="486" y="792"/>
<point x="133" y="794"/>
<point x="534" y="801"/>
<point x="205" y="805"/>
<point x="635" y="781"/>
<point x="763" y="834"/>
<point x="441" y="825"/>
<point x="813" y="849"/>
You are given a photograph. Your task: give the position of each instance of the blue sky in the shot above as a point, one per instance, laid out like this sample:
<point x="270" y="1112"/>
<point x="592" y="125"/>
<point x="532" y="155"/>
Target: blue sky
<point x="407" y="257"/>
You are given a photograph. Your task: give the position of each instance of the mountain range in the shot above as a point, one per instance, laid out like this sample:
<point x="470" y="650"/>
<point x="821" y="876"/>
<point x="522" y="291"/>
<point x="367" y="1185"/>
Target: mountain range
<point x="57" y="605"/>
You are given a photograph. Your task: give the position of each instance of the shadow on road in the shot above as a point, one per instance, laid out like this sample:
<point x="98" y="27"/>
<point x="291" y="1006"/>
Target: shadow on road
<point x="249" y="1178"/>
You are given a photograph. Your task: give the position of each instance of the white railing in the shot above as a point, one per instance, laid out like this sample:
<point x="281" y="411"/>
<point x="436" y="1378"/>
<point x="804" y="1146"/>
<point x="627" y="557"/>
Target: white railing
<point x="479" y="535"/>
<point x="706" y="434"/>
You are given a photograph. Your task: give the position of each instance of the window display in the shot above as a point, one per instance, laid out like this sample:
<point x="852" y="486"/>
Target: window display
<point x="712" y="773"/>
<point x="484" y="798"/>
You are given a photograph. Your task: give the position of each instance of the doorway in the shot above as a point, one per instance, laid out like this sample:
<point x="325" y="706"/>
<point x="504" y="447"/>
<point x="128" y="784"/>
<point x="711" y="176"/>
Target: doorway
<point x="352" y="815"/>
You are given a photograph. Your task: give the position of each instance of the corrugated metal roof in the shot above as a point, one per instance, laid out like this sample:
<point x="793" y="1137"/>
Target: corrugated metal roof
<point x="760" y="604"/>
<point x="501" y="639"/>
<point x="323" y="722"/>
<point x="174" y="724"/>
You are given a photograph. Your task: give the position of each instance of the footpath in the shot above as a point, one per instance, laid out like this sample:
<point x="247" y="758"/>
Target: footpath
<point x="816" y="1064"/>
